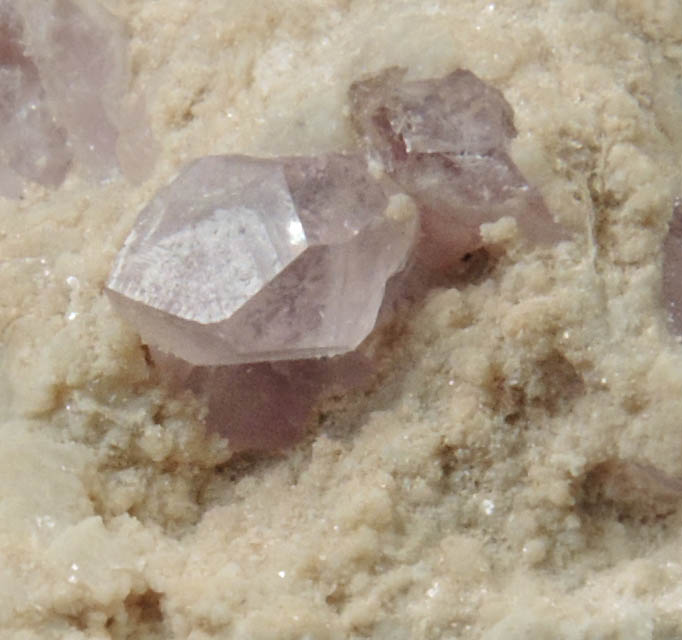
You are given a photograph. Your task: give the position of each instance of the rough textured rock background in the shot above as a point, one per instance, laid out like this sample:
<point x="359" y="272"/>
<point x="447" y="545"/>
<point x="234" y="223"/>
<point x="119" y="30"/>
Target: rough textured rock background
<point x="478" y="491"/>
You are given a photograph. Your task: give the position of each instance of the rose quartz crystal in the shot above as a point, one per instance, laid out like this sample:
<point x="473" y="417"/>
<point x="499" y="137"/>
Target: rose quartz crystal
<point x="248" y="260"/>
<point x="444" y="142"/>
<point x="64" y="78"/>
<point x="263" y="271"/>
<point x="672" y="269"/>
<point x="32" y="145"/>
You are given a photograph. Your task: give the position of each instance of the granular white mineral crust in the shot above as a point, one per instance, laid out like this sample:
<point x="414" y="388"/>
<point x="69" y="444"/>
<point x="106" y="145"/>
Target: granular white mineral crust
<point x="243" y="260"/>
<point x="444" y="142"/>
<point x="64" y="79"/>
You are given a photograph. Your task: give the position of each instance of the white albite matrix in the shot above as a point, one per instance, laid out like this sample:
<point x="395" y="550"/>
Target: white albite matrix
<point x="64" y="80"/>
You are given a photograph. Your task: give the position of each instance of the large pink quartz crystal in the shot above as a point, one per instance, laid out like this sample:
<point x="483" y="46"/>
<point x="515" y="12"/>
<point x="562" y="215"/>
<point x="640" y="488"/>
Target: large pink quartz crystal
<point x="243" y="260"/>
<point x="64" y="77"/>
<point x="444" y="142"/>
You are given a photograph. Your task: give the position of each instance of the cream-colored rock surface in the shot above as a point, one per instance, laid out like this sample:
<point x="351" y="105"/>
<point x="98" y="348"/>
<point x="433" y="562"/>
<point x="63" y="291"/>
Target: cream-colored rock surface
<point x="516" y="472"/>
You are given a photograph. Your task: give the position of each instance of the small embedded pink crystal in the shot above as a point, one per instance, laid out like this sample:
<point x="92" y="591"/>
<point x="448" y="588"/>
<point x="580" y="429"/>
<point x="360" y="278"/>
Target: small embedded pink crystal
<point x="265" y="405"/>
<point x="444" y="142"/>
<point x="243" y="260"/>
<point x="64" y="77"/>
<point x="458" y="114"/>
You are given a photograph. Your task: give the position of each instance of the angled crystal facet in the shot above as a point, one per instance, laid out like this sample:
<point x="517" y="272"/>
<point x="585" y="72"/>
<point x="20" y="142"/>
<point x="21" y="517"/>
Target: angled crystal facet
<point x="444" y="142"/>
<point x="246" y="260"/>
<point x="457" y="114"/>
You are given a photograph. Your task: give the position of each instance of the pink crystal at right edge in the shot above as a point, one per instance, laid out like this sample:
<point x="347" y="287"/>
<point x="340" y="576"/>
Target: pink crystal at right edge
<point x="242" y="260"/>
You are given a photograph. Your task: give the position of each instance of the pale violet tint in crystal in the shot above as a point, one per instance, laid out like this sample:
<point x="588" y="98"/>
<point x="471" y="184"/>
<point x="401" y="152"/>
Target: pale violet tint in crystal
<point x="444" y="142"/>
<point x="32" y="145"/>
<point x="64" y="82"/>
<point x="244" y="260"/>
<point x="266" y="405"/>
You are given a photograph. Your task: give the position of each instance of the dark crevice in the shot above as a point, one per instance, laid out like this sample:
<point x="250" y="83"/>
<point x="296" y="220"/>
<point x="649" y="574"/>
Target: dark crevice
<point x="629" y="491"/>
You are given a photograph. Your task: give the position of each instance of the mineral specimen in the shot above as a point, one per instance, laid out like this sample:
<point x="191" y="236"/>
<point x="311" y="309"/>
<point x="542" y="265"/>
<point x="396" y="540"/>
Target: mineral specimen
<point x="263" y="271"/>
<point x="242" y="260"/>
<point x="444" y="142"/>
<point x="672" y="269"/>
<point x="63" y="81"/>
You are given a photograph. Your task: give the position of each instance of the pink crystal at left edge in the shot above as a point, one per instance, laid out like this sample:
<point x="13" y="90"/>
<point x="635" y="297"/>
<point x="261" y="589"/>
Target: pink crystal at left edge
<point x="243" y="260"/>
<point x="32" y="145"/>
<point x="64" y="82"/>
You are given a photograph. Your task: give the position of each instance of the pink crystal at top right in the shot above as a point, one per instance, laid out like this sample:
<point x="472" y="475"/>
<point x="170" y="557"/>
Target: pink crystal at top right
<point x="444" y="142"/>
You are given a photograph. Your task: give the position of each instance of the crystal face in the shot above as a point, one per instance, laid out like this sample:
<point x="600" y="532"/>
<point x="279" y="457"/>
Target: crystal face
<point x="64" y="77"/>
<point x="457" y="114"/>
<point x="246" y="260"/>
<point x="444" y="142"/>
